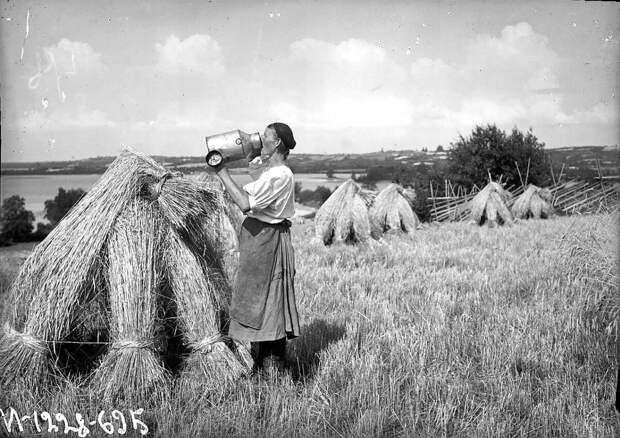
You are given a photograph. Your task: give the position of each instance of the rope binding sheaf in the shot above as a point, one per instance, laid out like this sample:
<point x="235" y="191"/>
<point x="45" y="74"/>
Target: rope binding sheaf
<point x="151" y="188"/>
<point x="205" y="345"/>
<point x="132" y="343"/>
<point x="34" y="343"/>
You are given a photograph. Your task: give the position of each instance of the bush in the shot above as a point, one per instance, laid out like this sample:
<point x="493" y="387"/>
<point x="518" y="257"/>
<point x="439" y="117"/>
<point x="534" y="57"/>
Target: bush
<point x="490" y="150"/>
<point x="42" y="231"/>
<point x="15" y="220"/>
<point x="57" y="208"/>
<point x="315" y="197"/>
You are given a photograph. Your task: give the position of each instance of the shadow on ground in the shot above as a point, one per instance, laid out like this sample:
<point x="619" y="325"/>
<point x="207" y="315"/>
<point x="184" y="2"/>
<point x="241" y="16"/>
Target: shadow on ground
<point x="304" y="352"/>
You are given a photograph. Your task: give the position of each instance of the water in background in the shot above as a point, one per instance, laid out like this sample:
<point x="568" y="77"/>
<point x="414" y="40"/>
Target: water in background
<point x="36" y="189"/>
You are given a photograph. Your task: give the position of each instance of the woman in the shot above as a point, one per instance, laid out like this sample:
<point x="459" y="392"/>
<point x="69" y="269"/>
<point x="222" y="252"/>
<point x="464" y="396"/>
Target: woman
<point x="262" y="308"/>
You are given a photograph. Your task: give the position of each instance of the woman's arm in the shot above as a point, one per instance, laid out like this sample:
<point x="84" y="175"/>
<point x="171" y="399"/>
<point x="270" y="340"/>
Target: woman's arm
<point x="238" y="195"/>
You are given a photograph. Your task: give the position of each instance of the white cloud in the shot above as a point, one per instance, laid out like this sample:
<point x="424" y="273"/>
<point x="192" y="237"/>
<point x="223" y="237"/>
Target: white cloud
<point x="201" y="117"/>
<point x="520" y="59"/>
<point x="347" y="111"/>
<point x="506" y="79"/>
<point x="74" y="57"/>
<point x="352" y="64"/>
<point x="346" y="85"/>
<point x="432" y="68"/>
<point x="599" y="113"/>
<point x="82" y="118"/>
<point x="195" y="54"/>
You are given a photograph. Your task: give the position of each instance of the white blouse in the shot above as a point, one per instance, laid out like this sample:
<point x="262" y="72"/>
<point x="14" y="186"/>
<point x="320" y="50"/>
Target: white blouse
<point x="272" y="195"/>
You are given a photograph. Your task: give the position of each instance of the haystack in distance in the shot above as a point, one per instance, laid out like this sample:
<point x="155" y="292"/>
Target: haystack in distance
<point x="141" y="240"/>
<point x="533" y="203"/>
<point x="392" y="212"/>
<point x="489" y="206"/>
<point x="343" y="217"/>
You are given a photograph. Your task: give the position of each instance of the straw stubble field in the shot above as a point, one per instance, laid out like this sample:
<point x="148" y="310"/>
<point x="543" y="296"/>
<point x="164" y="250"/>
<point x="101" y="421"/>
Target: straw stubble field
<point x="456" y="331"/>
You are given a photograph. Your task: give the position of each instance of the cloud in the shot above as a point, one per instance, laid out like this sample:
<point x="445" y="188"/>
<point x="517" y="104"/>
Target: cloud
<point x="348" y="84"/>
<point x="432" y="68"/>
<point x="520" y="59"/>
<point x="199" y="116"/>
<point x="195" y="54"/>
<point x="346" y="111"/>
<point x="74" y="57"/>
<point x="599" y="113"/>
<point x="82" y="118"/>
<point x="352" y="64"/>
<point x="506" y="79"/>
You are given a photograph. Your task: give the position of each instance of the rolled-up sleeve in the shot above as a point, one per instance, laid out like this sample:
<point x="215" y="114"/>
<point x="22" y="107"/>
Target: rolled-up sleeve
<point x="265" y="190"/>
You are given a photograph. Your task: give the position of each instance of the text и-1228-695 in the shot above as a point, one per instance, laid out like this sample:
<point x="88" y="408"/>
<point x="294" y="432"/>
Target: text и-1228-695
<point x="44" y="422"/>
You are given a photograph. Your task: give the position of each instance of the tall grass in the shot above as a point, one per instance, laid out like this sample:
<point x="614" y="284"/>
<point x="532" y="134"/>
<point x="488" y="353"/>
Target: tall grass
<point x="460" y="331"/>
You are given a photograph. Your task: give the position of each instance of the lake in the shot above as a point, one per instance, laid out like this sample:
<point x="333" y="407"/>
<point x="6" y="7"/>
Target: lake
<point x="36" y="189"/>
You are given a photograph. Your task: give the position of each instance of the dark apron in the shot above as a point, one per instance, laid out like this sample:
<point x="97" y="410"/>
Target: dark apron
<point x="258" y="243"/>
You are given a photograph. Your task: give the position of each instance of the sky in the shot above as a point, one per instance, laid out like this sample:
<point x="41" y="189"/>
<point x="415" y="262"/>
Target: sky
<point x="88" y="78"/>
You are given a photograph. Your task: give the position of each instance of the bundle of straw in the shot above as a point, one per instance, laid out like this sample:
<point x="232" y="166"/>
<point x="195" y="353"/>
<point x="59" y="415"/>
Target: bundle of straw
<point x="199" y="289"/>
<point x="57" y="277"/>
<point x="229" y="218"/>
<point x="132" y="370"/>
<point x="489" y="206"/>
<point x="199" y="268"/>
<point x="343" y="217"/>
<point x="534" y="202"/>
<point x="391" y="211"/>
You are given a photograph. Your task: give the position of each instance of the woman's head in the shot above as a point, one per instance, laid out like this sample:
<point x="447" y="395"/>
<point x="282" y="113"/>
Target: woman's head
<point x="278" y="137"/>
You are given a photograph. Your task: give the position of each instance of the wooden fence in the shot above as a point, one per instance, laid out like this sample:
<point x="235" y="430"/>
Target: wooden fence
<point x="571" y="197"/>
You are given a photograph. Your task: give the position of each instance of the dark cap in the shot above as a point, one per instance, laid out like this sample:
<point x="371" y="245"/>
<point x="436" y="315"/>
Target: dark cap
<point x="284" y="133"/>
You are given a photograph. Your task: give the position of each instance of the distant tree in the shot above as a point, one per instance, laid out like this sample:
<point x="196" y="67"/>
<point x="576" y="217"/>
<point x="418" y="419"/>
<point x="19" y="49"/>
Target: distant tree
<point x="42" y="231"/>
<point x="439" y="148"/>
<point x="321" y="194"/>
<point x="314" y="197"/>
<point x="490" y="150"/>
<point x="305" y="196"/>
<point x="57" y="208"/>
<point x="15" y="220"/>
<point x="329" y="172"/>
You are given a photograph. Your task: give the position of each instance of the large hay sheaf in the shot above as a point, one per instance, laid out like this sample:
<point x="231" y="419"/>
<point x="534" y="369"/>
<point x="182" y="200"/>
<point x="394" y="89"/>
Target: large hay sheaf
<point x="117" y="247"/>
<point x="229" y="225"/>
<point x="534" y="203"/>
<point x="392" y="212"/>
<point x="132" y="368"/>
<point x="201" y="326"/>
<point x="343" y="217"/>
<point x="489" y="206"/>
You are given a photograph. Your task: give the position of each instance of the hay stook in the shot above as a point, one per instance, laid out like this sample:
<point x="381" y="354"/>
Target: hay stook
<point x="489" y="206"/>
<point x="392" y="212"/>
<point x="343" y="217"/>
<point x="98" y="255"/>
<point x="534" y="203"/>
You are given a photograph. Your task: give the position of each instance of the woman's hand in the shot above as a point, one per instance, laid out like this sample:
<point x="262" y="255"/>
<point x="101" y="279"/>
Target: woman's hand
<point x="214" y="170"/>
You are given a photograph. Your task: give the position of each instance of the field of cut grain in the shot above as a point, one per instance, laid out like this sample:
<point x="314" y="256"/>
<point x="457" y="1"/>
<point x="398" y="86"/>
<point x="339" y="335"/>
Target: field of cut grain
<point x="457" y="331"/>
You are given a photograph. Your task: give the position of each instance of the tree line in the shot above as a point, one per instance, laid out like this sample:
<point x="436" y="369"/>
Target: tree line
<point x="16" y="223"/>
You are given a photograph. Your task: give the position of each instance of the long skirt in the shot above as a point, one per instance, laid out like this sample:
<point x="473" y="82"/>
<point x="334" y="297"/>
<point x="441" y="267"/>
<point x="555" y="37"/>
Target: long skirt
<point x="263" y="306"/>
